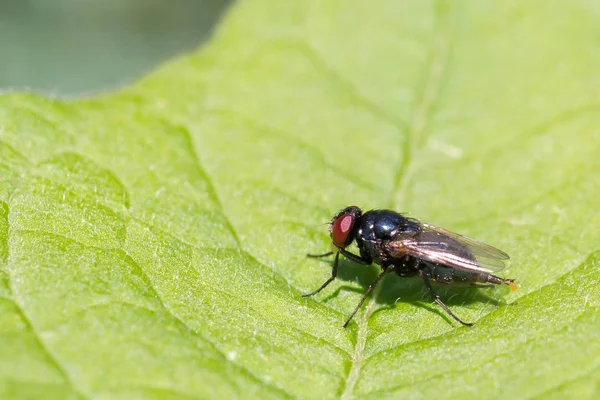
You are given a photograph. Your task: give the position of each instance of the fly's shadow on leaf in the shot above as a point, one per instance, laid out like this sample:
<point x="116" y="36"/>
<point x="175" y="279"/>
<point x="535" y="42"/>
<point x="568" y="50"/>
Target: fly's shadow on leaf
<point x="395" y="289"/>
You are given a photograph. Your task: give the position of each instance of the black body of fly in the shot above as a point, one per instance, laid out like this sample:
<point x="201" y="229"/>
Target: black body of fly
<point x="411" y="248"/>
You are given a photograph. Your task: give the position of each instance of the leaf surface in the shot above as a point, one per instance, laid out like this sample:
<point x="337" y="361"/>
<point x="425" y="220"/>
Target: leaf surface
<point x="153" y="240"/>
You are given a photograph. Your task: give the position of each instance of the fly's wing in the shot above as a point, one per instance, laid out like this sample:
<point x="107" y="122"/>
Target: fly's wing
<point x="440" y="246"/>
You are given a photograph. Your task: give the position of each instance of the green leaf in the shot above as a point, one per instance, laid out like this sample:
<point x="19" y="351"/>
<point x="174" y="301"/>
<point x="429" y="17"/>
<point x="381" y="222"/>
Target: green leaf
<point x="153" y="241"/>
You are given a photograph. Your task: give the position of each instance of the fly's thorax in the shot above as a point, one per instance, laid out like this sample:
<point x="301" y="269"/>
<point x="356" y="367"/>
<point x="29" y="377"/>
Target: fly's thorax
<point x="377" y="229"/>
<point x="383" y="225"/>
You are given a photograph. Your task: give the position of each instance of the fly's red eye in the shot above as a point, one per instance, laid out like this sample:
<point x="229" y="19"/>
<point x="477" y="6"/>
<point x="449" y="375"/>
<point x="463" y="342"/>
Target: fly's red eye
<point x="341" y="229"/>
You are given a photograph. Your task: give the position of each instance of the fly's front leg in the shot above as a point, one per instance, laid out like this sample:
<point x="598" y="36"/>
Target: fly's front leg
<point x="320" y="255"/>
<point x="426" y="275"/>
<point x="334" y="272"/>
<point x="357" y="259"/>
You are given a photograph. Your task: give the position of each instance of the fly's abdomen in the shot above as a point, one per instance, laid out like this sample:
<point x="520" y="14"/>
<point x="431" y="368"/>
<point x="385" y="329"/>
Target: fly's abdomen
<point x="451" y="276"/>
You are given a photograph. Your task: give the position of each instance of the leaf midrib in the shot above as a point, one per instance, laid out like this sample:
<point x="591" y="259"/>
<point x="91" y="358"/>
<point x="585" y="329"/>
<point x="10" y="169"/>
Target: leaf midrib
<point x="414" y="141"/>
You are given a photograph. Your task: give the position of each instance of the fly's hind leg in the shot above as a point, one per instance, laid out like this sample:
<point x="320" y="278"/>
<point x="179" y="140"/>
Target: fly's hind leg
<point x="425" y="273"/>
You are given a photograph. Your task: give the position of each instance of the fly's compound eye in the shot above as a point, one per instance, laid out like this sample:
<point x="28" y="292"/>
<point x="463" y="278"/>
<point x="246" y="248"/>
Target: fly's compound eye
<point x="341" y="229"/>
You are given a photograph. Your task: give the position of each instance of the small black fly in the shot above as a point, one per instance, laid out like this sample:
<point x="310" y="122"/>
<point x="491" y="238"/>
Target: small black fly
<point x="411" y="248"/>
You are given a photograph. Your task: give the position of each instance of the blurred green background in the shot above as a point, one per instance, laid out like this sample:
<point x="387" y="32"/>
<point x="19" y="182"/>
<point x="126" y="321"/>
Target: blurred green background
<point x="78" y="47"/>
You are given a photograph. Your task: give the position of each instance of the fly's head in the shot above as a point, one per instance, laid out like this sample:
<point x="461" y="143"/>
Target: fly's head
<point x="342" y="227"/>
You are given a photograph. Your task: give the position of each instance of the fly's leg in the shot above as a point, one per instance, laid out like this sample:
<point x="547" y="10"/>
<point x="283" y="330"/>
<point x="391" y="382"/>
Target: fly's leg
<point x="320" y="255"/>
<point x="331" y="279"/>
<point x="348" y="255"/>
<point x="355" y="258"/>
<point x="426" y="275"/>
<point x="369" y="289"/>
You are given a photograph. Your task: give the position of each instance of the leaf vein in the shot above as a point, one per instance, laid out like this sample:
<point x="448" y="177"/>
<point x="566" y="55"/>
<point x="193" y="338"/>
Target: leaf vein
<point x="512" y="350"/>
<point x="203" y="337"/>
<point x="52" y="359"/>
<point x="298" y="143"/>
<point x="210" y="187"/>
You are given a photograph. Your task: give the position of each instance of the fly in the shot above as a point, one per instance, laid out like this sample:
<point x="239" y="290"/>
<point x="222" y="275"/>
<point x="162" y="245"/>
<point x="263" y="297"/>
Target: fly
<point x="411" y="248"/>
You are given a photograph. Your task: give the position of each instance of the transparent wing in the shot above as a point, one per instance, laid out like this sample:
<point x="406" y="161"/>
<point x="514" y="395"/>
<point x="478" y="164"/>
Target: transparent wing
<point x="438" y="245"/>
